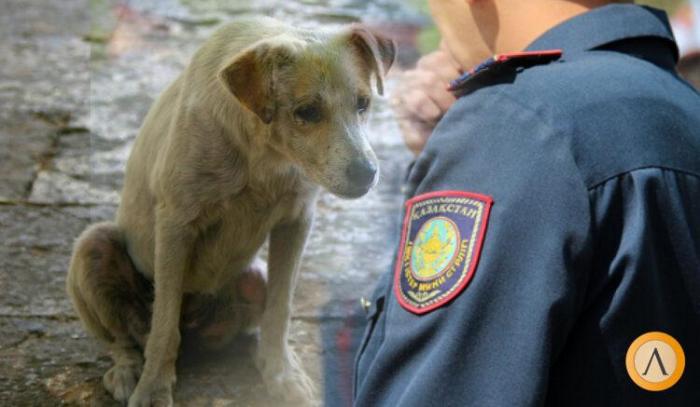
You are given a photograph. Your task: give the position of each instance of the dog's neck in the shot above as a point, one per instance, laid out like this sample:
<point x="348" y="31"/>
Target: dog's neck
<point x="266" y="167"/>
<point x="241" y="149"/>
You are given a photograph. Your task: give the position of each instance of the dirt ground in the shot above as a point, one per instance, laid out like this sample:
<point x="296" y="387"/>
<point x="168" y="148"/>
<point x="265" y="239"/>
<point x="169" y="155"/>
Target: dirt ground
<point x="76" y="79"/>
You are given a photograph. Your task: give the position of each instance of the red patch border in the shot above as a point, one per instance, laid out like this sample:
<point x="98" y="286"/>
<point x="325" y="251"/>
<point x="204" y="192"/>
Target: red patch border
<point x="488" y="201"/>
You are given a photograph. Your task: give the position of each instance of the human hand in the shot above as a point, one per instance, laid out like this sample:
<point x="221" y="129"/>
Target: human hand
<point x="424" y="97"/>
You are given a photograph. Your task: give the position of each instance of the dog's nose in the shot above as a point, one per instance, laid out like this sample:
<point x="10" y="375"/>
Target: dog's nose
<point x="362" y="172"/>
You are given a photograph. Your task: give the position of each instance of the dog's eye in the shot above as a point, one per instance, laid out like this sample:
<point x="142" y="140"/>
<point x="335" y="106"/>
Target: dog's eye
<point x="309" y="113"/>
<point x="362" y="104"/>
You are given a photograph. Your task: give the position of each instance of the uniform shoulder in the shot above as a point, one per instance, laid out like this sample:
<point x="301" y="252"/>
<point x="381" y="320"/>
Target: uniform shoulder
<point x="617" y="112"/>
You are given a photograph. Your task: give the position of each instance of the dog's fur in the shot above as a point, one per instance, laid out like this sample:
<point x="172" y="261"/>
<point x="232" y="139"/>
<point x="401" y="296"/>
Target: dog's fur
<point x="233" y="152"/>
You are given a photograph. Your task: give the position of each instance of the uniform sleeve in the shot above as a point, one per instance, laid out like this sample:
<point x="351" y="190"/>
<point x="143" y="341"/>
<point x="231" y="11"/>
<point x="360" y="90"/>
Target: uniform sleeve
<point x="492" y="344"/>
<point x="645" y="279"/>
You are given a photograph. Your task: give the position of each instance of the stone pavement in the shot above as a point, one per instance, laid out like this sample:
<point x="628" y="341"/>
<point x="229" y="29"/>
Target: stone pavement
<point x="76" y="79"/>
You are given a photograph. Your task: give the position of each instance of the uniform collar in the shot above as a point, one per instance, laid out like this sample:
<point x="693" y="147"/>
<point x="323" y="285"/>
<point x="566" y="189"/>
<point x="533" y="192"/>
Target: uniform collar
<point x="605" y="25"/>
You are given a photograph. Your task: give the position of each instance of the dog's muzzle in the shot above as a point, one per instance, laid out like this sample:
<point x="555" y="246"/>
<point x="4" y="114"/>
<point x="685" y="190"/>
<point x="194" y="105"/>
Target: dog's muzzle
<point x="362" y="173"/>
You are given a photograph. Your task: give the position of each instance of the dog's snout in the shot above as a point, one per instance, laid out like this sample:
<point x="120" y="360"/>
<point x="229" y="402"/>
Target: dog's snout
<point x="362" y="171"/>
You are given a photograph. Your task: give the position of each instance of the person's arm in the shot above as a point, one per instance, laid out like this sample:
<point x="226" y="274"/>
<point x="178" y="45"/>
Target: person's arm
<point x="495" y="341"/>
<point x="422" y="97"/>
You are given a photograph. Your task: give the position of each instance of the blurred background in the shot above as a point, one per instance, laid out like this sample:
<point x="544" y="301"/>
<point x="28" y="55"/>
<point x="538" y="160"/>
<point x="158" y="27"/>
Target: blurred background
<point x="76" y="79"/>
<point x="429" y="37"/>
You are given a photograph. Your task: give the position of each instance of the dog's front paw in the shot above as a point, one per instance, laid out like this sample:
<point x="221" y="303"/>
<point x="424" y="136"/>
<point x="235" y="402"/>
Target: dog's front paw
<point x="121" y="380"/>
<point x="156" y="395"/>
<point x="286" y="380"/>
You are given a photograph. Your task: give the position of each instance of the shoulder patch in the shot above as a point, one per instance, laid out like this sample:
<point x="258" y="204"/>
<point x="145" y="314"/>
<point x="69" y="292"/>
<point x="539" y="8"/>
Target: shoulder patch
<point x="440" y="246"/>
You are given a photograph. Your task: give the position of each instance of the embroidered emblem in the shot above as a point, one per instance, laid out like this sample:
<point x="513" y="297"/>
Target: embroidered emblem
<point x="440" y="246"/>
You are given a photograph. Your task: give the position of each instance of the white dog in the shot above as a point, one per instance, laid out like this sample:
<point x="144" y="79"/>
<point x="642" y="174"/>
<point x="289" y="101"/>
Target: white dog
<point x="233" y="152"/>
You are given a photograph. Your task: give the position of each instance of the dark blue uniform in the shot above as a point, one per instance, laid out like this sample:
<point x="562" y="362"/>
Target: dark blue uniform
<point x="553" y="219"/>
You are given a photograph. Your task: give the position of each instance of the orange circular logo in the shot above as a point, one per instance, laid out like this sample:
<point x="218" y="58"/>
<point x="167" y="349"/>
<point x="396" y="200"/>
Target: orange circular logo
<point x="655" y="361"/>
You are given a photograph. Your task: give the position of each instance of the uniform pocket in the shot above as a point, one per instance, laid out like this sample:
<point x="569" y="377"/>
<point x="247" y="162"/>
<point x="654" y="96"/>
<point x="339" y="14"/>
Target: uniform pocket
<point x="370" y="339"/>
<point x="372" y="315"/>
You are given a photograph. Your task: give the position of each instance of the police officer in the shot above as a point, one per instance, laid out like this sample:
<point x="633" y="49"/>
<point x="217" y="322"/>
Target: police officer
<point x="550" y="246"/>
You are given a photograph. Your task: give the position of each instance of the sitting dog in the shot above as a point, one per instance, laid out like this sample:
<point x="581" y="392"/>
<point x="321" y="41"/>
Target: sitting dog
<point x="232" y="153"/>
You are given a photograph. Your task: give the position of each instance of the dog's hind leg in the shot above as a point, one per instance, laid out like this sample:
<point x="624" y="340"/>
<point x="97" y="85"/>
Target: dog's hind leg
<point x="212" y="322"/>
<point x="113" y="301"/>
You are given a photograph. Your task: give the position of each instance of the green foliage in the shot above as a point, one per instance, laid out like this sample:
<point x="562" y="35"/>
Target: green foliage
<point x="429" y="37"/>
<point x="669" y="5"/>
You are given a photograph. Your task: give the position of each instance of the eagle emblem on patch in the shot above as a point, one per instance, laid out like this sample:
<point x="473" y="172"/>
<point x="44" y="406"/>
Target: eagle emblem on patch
<point x="440" y="245"/>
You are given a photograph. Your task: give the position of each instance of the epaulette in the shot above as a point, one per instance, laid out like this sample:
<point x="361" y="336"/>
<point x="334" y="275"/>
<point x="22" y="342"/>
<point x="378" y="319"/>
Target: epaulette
<point x="494" y="68"/>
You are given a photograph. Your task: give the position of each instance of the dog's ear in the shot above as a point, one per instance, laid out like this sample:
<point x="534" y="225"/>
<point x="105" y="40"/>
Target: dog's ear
<point x="249" y="76"/>
<point x="375" y="50"/>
